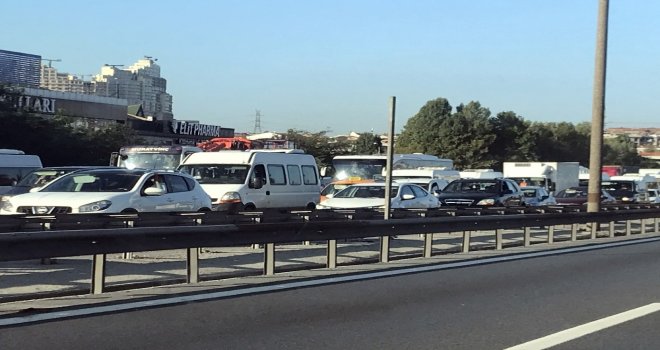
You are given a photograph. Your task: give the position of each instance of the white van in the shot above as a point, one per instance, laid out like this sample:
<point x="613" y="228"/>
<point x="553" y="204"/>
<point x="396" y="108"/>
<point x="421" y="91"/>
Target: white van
<point x="256" y="179"/>
<point x="14" y="165"/>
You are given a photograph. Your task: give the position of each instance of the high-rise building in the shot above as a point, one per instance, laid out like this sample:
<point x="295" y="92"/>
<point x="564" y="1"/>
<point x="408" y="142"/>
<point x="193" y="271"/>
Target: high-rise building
<point x="140" y="84"/>
<point x="51" y="79"/>
<point x="20" y="69"/>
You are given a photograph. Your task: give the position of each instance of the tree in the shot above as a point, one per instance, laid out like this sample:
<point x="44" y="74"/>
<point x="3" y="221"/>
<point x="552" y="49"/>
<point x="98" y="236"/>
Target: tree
<point x="319" y="145"/>
<point x="513" y="142"/>
<point x="621" y="151"/>
<point x="421" y="131"/>
<point x="54" y="139"/>
<point x="367" y="143"/>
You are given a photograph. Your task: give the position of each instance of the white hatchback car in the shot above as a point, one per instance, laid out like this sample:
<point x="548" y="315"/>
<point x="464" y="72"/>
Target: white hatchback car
<point x="372" y="195"/>
<point x="113" y="191"/>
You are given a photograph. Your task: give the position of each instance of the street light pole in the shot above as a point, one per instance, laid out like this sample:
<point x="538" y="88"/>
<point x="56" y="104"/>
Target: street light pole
<point x="598" y="111"/>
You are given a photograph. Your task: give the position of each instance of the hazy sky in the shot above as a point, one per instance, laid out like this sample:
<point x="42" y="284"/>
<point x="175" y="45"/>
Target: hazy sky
<point x="332" y="65"/>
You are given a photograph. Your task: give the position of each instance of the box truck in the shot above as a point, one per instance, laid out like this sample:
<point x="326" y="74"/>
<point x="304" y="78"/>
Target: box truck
<point x="553" y="176"/>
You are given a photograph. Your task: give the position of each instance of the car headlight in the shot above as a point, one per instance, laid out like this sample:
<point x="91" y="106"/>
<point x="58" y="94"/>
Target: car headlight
<point x="231" y="197"/>
<point x="6" y="205"/>
<point x="96" y="206"/>
<point x="626" y="199"/>
<point x="487" y="201"/>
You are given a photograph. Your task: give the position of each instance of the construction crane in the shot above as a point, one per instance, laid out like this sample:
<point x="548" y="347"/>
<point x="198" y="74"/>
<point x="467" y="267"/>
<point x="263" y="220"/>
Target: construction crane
<point x="51" y="60"/>
<point x="113" y="65"/>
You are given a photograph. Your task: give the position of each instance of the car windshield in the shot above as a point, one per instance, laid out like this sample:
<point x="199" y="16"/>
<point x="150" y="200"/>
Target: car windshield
<point x="150" y="161"/>
<point x="572" y="193"/>
<point x="366" y="192"/>
<point x="358" y="168"/>
<point x="472" y="186"/>
<point x="529" y="192"/>
<point x="41" y="177"/>
<point x="217" y="173"/>
<point x="95" y="182"/>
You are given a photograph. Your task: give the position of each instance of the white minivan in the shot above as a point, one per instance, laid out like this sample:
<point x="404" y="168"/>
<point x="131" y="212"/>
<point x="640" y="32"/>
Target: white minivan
<point x="14" y="165"/>
<point x="256" y="179"/>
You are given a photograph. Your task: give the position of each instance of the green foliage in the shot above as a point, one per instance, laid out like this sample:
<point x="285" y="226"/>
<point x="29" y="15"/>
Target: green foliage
<point x="54" y="139"/>
<point x="367" y="143"/>
<point x="464" y="136"/>
<point x="620" y="150"/>
<point x="319" y="145"/>
<point x="421" y="132"/>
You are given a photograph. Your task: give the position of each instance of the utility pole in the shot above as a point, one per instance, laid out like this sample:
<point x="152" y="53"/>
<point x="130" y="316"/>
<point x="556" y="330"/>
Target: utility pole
<point x="598" y="110"/>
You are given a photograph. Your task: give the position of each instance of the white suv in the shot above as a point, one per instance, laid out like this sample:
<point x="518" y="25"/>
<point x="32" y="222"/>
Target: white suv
<point x="113" y="191"/>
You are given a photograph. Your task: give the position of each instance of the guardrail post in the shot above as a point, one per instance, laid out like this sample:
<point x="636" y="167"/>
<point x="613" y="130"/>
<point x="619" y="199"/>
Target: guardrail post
<point x="498" y="239"/>
<point x="611" y="227"/>
<point x="128" y="255"/>
<point x="628" y="228"/>
<point x="192" y="263"/>
<point x="269" y="259"/>
<point x="642" y="229"/>
<point x="332" y="254"/>
<point x="47" y="261"/>
<point x="574" y="228"/>
<point x="428" y="245"/>
<point x="551" y="234"/>
<point x="527" y="236"/>
<point x="594" y="230"/>
<point x="466" y="241"/>
<point x="98" y="274"/>
<point x="657" y="228"/>
<point x="385" y="249"/>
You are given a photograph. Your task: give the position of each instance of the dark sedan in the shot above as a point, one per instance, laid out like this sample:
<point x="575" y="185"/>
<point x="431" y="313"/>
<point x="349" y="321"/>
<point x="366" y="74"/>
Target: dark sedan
<point x="578" y="196"/>
<point x="482" y="192"/>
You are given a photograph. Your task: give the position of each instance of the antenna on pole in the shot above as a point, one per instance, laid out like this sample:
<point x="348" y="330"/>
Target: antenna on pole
<point x="257" y="122"/>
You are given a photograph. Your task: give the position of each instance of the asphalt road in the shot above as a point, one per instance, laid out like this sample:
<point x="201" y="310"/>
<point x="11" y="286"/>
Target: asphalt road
<point x="490" y="306"/>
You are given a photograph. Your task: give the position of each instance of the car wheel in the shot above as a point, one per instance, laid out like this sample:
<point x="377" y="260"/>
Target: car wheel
<point x="310" y="206"/>
<point x="250" y="206"/>
<point x="204" y="209"/>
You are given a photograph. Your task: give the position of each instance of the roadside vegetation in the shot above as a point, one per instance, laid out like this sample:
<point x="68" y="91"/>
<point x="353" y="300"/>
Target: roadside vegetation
<point x="469" y="134"/>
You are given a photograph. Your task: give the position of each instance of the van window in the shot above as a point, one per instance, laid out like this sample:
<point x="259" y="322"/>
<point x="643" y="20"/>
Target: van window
<point x="276" y="174"/>
<point x="294" y="175"/>
<point x="10" y="176"/>
<point x="309" y="175"/>
<point x="258" y="172"/>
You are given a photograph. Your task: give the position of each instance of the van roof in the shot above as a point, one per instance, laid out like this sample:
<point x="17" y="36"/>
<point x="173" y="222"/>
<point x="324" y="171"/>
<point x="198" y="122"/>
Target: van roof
<point x="241" y="157"/>
<point x="20" y="161"/>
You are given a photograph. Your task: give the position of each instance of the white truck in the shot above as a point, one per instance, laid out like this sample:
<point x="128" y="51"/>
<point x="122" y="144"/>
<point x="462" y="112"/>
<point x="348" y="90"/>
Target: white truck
<point x="480" y="174"/>
<point x="431" y="179"/>
<point x="553" y="176"/>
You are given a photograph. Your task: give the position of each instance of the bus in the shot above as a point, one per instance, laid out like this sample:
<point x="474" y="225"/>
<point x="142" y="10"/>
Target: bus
<point x="371" y="167"/>
<point x="152" y="157"/>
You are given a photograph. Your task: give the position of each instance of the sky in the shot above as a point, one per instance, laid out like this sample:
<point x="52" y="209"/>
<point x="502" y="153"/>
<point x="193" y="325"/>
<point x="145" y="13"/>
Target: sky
<point x="332" y="65"/>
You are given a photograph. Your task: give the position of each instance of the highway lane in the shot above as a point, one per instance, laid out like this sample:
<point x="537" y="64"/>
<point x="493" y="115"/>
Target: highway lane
<point x="492" y="306"/>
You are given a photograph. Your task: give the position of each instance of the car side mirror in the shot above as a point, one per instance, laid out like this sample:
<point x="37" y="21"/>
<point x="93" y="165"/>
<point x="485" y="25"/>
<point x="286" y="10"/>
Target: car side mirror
<point x="154" y="191"/>
<point x="35" y="189"/>
<point x="507" y="191"/>
<point x="437" y="193"/>
<point x="407" y="197"/>
<point x="544" y="197"/>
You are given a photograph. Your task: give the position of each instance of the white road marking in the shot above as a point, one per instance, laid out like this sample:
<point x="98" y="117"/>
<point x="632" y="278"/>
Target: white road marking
<point x="587" y="328"/>
<point x="135" y="305"/>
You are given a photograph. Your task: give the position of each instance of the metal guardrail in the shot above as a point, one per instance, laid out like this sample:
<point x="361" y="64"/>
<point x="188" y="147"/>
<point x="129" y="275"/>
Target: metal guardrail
<point x="76" y="235"/>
